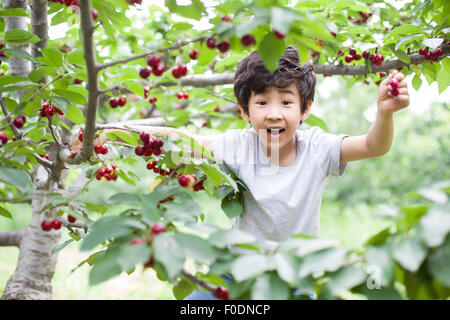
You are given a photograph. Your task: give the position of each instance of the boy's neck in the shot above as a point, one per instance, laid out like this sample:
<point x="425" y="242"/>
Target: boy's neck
<point x="286" y="155"/>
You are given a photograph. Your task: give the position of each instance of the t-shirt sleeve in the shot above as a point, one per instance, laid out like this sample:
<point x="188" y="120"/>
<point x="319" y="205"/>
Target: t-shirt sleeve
<point x="327" y="148"/>
<point x="224" y="149"/>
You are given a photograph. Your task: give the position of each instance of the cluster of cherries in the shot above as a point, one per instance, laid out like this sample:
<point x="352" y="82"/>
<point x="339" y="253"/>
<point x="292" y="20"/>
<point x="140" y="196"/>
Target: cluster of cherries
<point x="393" y="87"/>
<point x="109" y="173"/>
<point x="100" y="149"/>
<point x="181" y="95"/>
<point x="377" y="59"/>
<point x="134" y="1"/>
<point x="154" y="65"/>
<point x="55" y="224"/>
<point x="364" y="17"/>
<point x="156" y="229"/>
<point x="352" y="56"/>
<point x="153" y="165"/>
<point x="432" y="55"/>
<point x="120" y="101"/>
<point x="2" y="53"/>
<point x="48" y="110"/>
<point x="69" y="3"/>
<point x="45" y="156"/>
<point x="151" y="146"/>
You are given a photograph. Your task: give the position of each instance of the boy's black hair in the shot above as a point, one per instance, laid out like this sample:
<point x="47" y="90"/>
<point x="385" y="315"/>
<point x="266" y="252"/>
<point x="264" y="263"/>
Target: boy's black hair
<point x="252" y="75"/>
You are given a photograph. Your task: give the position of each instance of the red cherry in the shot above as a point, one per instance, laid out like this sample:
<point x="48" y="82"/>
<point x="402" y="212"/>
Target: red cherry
<point x="56" y="224"/>
<point x="158" y="70"/>
<point x="46" y="225"/>
<point x="394" y="83"/>
<point x="145" y="136"/>
<point x="348" y="58"/>
<point x="50" y="111"/>
<point x="113" y="102"/>
<point x="313" y="54"/>
<point x="136" y="241"/>
<point x="224" y="46"/>
<point x="340" y="53"/>
<point x="180" y="95"/>
<point x="226" y="18"/>
<point x="103" y="150"/>
<point x="422" y="51"/>
<point x="395" y="92"/>
<point x="108" y="170"/>
<point x="101" y="172"/>
<point x="176" y="72"/>
<point x="4" y="138"/>
<point x="153" y="61"/>
<point x="357" y="21"/>
<point x="221" y="293"/>
<point x="94" y="13"/>
<point x="365" y="54"/>
<point x="71" y="219"/>
<point x="145" y="72"/>
<point x="183" y="180"/>
<point x="3" y="54"/>
<point x="352" y="52"/>
<point x="77" y="81"/>
<point x="113" y="165"/>
<point x="279" y="35"/>
<point x="248" y="40"/>
<point x="146" y="91"/>
<point x="151" y="165"/>
<point x="357" y="57"/>
<point x="122" y="101"/>
<point x="18" y="123"/>
<point x="158" y="228"/>
<point x="439" y="52"/>
<point x="217" y="109"/>
<point x="382" y="74"/>
<point x="80" y="136"/>
<point x="47" y="157"/>
<point x="139" y="150"/>
<point x="186" y="95"/>
<point x="211" y="42"/>
<point x="193" y="54"/>
<point x="204" y="124"/>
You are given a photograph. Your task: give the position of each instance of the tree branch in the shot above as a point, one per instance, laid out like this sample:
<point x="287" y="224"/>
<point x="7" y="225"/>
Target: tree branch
<point x="11" y="238"/>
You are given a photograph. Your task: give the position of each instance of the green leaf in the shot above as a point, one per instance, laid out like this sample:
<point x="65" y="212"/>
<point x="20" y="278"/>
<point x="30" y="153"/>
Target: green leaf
<point x="271" y="50"/>
<point x="125" y="178"/>
<point x="250" y="265"/>
<point x="405" y="29"/>
<point x="52" y="57"/>
<point x="183" y="288"/>
<point x="75" y="57"/>
<point x="345" y="279"/>
<point x="131" y="255"/>
<point x="410" y="254"/>
<point x="287" y="266"/>
<point x="13" y="12"/>
<point x="328" y="260"/>
<point x="72" y="96"/>
<point x="416" y="82"/>
<point x="108" y="227"/>
<point x="17" y="178"/>
<point x="402" y="56"/>
<point x="5" y="213"/>
<point x="443" y="79"/>
<point x="192" y="11"/>
<point x="61" y="246"/>
<point x="127" y="137"/>
<point x="380" y="257"/>
<point x="232" y="207"/>
<point x="270" y="287"/>
<point x="281" y="19"/>
<point x="7" y="79"/>
<point x="379" y="238"/>
<point x="18" y="86"/>
<point x="36" y="134"/>
<point x="19" y="36"/>
<point x="313" y="120"/>
<point x="169" y="253"/>
<point x="124" y="198"/>
<point x="75" y="114"/>
<point x="438" y="264"/>
<point x="435" y="225"/>
<point x="134" y="86"/>
<point x="20" y="53"/>
<point x="222" y="238"/>
<point x="105" y="267"/>
<point x="305" y="246"/>
<point x="195" y="247"/>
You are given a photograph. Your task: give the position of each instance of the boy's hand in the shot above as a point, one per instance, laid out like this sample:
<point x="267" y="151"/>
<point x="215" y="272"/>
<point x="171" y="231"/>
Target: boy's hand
<point x="387" y="103"/>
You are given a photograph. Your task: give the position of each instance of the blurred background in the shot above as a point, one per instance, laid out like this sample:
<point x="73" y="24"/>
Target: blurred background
<point x="354" y="206"/>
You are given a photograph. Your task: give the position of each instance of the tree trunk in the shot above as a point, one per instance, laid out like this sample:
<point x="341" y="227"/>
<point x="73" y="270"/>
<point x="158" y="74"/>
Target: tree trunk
<point x="36" y="266"/>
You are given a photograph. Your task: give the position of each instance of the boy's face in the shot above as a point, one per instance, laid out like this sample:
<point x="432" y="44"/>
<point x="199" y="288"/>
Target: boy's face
<point x="276" y="108"/>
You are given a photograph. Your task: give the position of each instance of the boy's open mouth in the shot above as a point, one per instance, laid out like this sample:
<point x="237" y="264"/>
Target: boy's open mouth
<point x="275" y="133"/>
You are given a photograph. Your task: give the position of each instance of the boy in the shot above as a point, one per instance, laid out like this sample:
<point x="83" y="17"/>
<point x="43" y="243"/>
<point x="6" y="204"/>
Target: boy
<point x="285" y="168"/>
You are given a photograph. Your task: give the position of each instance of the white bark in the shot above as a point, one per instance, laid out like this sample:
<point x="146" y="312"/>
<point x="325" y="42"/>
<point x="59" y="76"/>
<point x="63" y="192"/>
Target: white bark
<point x="17" y="66"/>
<point x="36" y="266"/>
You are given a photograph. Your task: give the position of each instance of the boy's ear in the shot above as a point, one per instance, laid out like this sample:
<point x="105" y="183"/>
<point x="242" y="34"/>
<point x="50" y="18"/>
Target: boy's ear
<point x="307" y="112"/>
<point x="244" y="115"/>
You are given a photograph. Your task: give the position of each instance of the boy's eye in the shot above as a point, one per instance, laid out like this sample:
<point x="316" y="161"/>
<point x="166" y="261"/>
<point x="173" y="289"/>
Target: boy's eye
<point x="288" y="102"/>
<point x="260" y="102"/>
<point x="285" y="102"/>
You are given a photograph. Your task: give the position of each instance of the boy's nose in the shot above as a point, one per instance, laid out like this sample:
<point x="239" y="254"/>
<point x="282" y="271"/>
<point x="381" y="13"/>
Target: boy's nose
<point x="274" y="113"/>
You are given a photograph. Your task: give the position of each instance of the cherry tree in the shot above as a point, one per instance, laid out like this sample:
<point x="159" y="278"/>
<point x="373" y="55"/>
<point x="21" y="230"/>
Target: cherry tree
<point x="86" y="102"/>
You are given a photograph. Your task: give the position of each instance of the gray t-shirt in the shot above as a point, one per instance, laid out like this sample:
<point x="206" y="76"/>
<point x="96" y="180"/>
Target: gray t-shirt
<point x="282" y="200"/>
